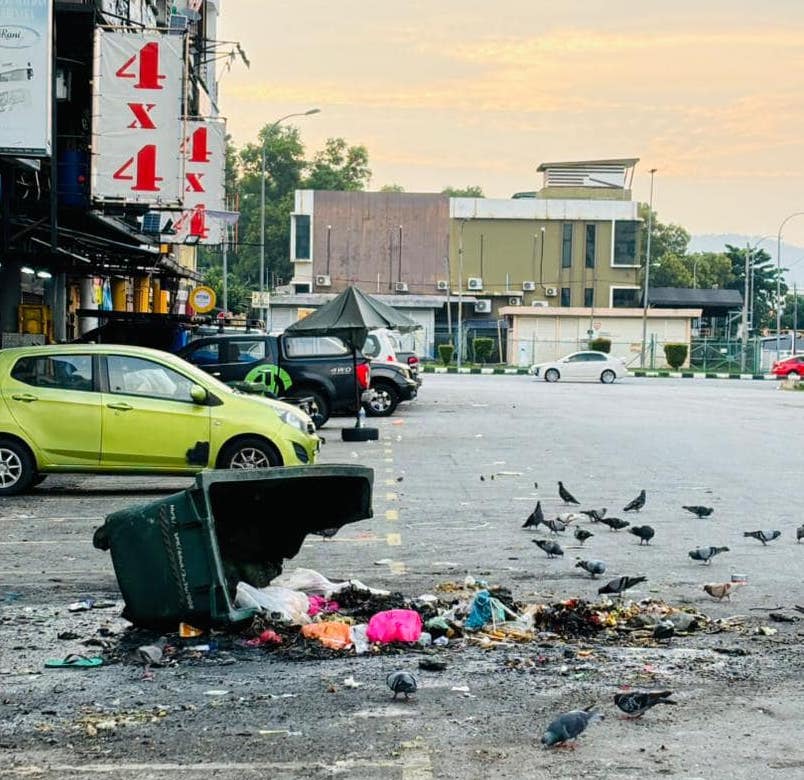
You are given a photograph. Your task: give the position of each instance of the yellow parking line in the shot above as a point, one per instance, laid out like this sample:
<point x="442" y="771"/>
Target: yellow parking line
<point x="391" y="497"/>
<point x="393" y="540"/>
<point x="397" y="567"/>
<point x="391" y="514"/>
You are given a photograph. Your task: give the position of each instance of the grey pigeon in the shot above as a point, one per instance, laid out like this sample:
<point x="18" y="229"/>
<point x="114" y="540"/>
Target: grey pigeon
<point x="552" y="549"/>
<point x="566" y="496"/>
<point x="594" y="514"/>
<point x="701" y="511"/>
<point x="706" y="554"/>
<point x="556" y="526"/>
<point x="535" y="517"/>
<point x="401" y="682"/>
<point x="569" y="726"/>
<point x="644" y="532"/>
<point x="614" y="523"/>
<point x="593" y="567"/>
<point x="636" y="504"/>
<point x="617" y="586"/>
<point x="581" y="534"/>
<point x="799" y="533"/>
<point x="763" y="536"/>
<point x="636" y="703"/>
<point x="664" y="629"/>
<point x="152" y="655"/>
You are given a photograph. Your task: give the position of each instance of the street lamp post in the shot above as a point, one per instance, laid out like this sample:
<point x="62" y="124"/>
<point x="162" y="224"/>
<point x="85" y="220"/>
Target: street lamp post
<point x="262" y="201"/>
<point x="460" y="295"/>
<point x="779" y="279"/>
<point x="647" y="273"/>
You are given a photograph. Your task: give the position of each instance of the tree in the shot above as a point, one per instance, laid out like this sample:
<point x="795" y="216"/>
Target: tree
<point x="472" y="191"/>
<point x="392" y="188"/>
<point x="764" y="286"/>
<point x="793" y="312"/>
<point x="339" y="166"/>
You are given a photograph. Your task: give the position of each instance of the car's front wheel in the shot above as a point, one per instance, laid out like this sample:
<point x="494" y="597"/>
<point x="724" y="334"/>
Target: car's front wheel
<point x="384" y="402"/>
<point x="793" y="375"/>
<point x="248" y="453"/>
<point x="607" y="377"/>
<point x="551" y="375"/>
<point x="322" y="415"/>
<point x="16" y="468"/>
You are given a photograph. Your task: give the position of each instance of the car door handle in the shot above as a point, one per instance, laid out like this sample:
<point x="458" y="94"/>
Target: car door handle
<point x="121" y="407"/>
<point x="216" y="373"/>
<point x="26" y="397"/>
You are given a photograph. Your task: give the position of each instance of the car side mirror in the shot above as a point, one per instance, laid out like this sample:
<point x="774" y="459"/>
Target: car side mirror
<point x="198" y="394"/>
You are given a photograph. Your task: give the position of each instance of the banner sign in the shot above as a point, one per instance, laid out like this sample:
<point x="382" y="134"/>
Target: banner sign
<point x="26" y="38"/>
<point x="136" y="124"/>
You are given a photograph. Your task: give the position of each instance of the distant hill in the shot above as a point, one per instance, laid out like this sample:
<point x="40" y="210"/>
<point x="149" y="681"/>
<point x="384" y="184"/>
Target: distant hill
<point x="792" y="255"/>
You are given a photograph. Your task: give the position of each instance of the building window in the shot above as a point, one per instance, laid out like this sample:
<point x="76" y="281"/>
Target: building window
<point x="566" y="246"/>
<point x="302" y="236"/>
<point x="591" y="237"/>
<point x="626" y="297"/>
<point x="589" y="297"/>
<point x="625" y="243"/>
<point x="566" y="299"/>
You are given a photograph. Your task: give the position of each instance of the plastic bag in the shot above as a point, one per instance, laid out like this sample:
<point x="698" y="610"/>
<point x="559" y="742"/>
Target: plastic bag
<point x="394" y="625"/>
<point x="332" y="634"/>
<point x="359" y="639"/>
<point x="484" y="609"/>
<point x="310" y="581"/>
<point x="291" y="605"/>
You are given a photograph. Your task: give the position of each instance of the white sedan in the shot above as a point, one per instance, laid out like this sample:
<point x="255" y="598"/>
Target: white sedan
<point x="587" y="365"/>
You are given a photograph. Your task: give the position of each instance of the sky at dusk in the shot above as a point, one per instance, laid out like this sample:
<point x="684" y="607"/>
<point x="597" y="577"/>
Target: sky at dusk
<point x="710" y="93"/>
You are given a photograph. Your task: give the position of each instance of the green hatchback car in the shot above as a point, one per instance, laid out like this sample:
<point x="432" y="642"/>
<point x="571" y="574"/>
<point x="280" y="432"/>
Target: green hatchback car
<point x="115" y="409"/>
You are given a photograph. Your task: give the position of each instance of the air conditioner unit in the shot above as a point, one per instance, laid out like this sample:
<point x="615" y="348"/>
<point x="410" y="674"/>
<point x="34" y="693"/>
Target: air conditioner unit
<point x="483" y="307"/>
<point x="551" y="292"/>
<point x="474" y="283"/>
<point x="539" y="304"/>
<point x="442" y="284"/>
<point x="401" y="287"/>
<point x="514" y="301"/>
<point x="528" y="286"/>
<point x="323" y="280"/>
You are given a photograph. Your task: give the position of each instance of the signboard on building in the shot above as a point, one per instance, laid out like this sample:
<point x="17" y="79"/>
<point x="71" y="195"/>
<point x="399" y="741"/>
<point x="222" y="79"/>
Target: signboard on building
<point x="260" y="300"/>
<point x="202" y="299"/>
<point x="136" y="122"/>
<point x="26" y="38"/>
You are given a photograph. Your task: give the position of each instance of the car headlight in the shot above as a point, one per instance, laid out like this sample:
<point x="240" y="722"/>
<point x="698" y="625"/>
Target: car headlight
<point x="299" y="420"/>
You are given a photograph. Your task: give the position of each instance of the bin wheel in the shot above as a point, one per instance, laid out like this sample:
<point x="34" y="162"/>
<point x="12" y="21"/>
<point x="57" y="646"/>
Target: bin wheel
<point x="100" y="539"/>
<point x="248" y="453"/>
<point x="16" y="468"/>
<point x="360" y="434"/>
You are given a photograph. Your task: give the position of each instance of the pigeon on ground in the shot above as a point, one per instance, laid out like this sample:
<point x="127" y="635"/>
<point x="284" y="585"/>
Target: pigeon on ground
<point x="535" y="517"/>
<point x="644" y="532"/>
<point x="763" y="536"/>
<point x="636" y="703"/>
<point x="614" y="523"/>
<point x="401" y="682"/>
<point x="594" y="514"/>
<point x="569" y="726"/>
<point x="706" y="554"/>
<point x="581" y="534"/>
<point x="799" y="533"/>
<point x="556" y="526"/>
<point x="593" y="567"/>
<point x="720" y="590"/>
<point x="701" y="511"/>
<point x="152" y="655"/>
<point x="566" y="496"/>
<point x="636" y="504"/>
<point x="570" y="517"/>
<point x="482" y="478"/>
<point x="552" y="549"/>
<point x="620" y="584"/>
<point x="664" y="629"/>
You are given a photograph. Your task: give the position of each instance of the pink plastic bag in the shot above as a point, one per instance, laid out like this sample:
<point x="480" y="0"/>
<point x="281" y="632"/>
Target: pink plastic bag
<point x="394" y="625"/>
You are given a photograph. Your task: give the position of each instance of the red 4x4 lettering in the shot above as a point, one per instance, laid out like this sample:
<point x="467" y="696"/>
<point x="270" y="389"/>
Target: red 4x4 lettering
<point x="144" y="164"/>
<point x="142" y="116"/>
<point x="199" y="151"/>
<point x="194" y="182"/>
<point x="148" y="75"/>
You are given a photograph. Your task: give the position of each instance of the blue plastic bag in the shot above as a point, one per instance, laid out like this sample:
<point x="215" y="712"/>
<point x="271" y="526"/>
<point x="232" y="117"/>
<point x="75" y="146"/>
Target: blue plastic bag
<point x="484" y="609"/>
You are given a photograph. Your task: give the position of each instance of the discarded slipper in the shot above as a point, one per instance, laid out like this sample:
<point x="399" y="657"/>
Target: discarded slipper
<point x="74" y="661"/>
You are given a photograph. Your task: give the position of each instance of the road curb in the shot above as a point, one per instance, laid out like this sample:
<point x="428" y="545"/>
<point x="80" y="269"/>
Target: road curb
<point x="660" y="374"/>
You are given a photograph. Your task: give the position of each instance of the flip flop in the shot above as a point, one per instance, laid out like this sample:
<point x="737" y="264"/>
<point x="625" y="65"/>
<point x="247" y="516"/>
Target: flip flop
<point x="74" y="661"/>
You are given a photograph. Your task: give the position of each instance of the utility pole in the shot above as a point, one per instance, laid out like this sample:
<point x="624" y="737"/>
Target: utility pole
<point x="460" y="294"/>
<point x="225" y="301"/>
<point x="744" y="325"/>
<point x="647" y="274"/>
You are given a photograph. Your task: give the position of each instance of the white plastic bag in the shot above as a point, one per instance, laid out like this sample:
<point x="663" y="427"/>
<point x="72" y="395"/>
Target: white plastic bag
<point x="292" y="605"/>
<point x="310" y="581"/>
<point x="359" y="638"/>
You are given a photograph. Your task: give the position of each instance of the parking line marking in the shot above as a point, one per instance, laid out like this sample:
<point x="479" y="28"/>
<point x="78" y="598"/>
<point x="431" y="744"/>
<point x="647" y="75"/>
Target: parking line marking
<point x="388" y="460"/>
<point x="390" y="482"/>
<point x="393" y="540"/>
<point x="391" y="497"/>
<point x="391" y="514"/>
<point x="397" y="567"/>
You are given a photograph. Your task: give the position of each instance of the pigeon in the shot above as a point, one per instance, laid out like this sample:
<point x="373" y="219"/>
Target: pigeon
<point x="763" y="536"/>
<point x="401" y="682"/>
<point x="617" y="586"/>
<point x="594" y="514"/>
<point x="566" y="496"/>
<point x="581" y="534"/>
<point x="636" y="703"/>
<point x="664" y="629"/>
<point x="535" y="517"/>
<point x="644" y="532"/>
<point x="551" y="548"/>
<point x="701" y="511"/>
<point x="556" y="526"/>
<point x="720" y="590"/>
<point x="799" y="533"/>
<point x="569" y="726"/>
<point x="152" y="655"/>
<point x="706" y="554"/>
<point x="569" y="517"/>
<point x="614" y="523"/>
<point x="636" y="504"/>
<point x="593" y="567"/>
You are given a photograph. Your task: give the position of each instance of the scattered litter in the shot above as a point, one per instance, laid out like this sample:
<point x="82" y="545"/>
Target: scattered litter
<point x="359" y="638"/>
<point x="81" y="606"/>
<point x="394" y="625"/>
<point x="286" y="603"/>
<point x="216" y="692"/>
<point x="780" y="617"/>
<point x="278" y="732"/>
<point x="186" y="631"/>
<point x="74" y="661"/>
<point x="432" y="665"/>
<point x="267" y="637"/>
<point x="350" y="682"/>
<point x="320" y="604"/>
<point x="460" y="688"/>
<point x="332" y="634"/>
<point x="766" y="631"/>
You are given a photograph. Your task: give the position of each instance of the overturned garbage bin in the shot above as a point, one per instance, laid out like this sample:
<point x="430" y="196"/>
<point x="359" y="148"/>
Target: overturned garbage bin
<point x="180" y="558"/>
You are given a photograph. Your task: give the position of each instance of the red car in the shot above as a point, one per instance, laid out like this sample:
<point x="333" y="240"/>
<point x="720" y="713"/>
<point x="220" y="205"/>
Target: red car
<point x="792" y="366"/>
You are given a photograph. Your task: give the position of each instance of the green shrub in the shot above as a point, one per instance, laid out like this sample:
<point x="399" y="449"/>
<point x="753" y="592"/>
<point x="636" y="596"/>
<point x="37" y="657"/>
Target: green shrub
<point x="675" y="354"/>
<point x="445" y="352"/>
<point x="483" y="347"/>
<point x="600" y="345"/>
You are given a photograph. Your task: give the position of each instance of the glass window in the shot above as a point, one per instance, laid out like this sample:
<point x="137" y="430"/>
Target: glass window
<point x="246" y="351"/>
<point x="135" y="376"/>
<point x="565" y="296"/>
<point x="625" y="298"/>
<point x="302" y="236"/>
<point x="579" y="358"/>
<point x="566" y="246"/>
<point x="62" y="372"/>
<point x="591" y="240"/>
<point x="297" y="346"/>
<point x="589" y="297"/>
<point x="592" y="357"/>
<point x="625" y="243"/>
<point x="372" y="346"/>
<point x="205" y="354"/>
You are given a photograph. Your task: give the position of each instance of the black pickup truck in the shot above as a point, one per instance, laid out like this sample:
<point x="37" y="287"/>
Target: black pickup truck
<point x="317" y="367"/>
